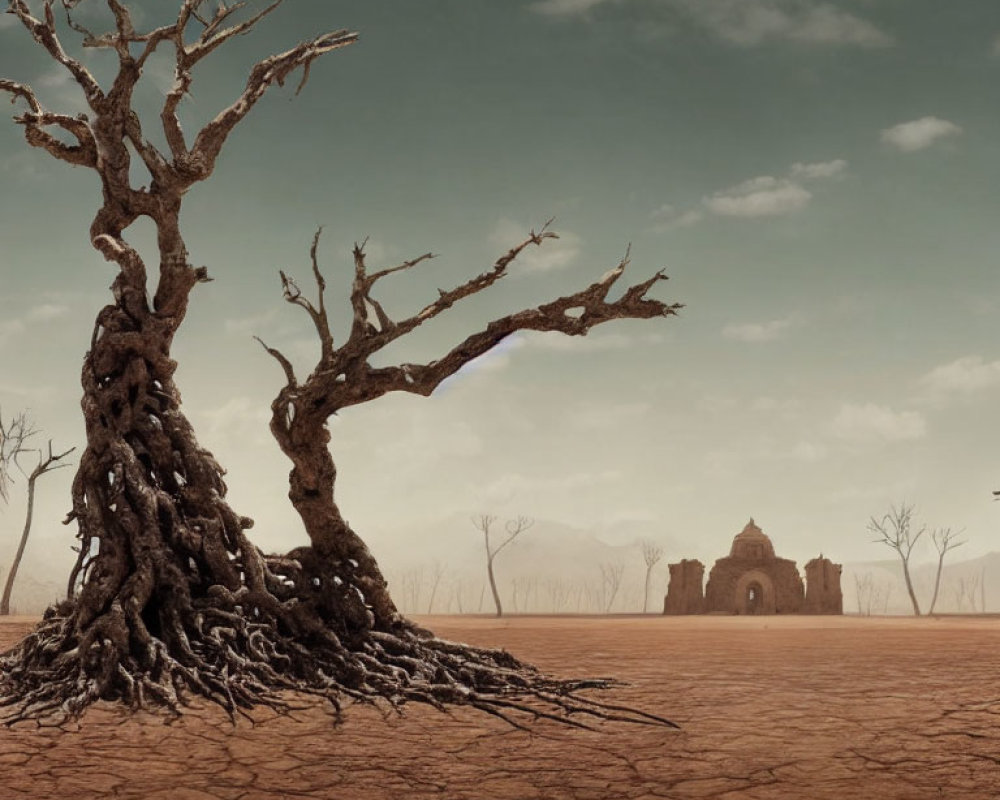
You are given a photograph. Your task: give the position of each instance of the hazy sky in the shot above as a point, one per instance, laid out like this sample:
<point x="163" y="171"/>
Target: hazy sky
<point x="819" y="179"/>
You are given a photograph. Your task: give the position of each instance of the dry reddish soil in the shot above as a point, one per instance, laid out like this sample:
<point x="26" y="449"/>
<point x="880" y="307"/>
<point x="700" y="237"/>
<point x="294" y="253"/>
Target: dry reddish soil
<point x="802" y="708"/>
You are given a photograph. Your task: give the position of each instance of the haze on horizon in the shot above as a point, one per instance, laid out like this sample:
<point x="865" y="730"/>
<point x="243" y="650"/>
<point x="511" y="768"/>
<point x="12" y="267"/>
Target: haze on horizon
<point x="818" y="179"/>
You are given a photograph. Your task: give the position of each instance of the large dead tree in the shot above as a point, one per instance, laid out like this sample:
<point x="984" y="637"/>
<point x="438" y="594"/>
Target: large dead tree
<point x="169" y="598"/>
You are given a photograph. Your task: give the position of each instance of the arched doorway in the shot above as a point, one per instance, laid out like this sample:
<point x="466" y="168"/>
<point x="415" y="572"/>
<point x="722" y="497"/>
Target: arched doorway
<point x="754" y="593"/>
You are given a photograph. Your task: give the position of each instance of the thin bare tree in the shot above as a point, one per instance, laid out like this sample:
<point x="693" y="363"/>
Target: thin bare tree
<point x="944" y="539"/>
<point x="611" y="581"/>
<point x="651" y="554"/>
<point x="174" y="599"/>
<point x="46" y="463"/>
<point x="14" y="442"/>
<point x="895" y="530"/>
<point x="514" y="527"/>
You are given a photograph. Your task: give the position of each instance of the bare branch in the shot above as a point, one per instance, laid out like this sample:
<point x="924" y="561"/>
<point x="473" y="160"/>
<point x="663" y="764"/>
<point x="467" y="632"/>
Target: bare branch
<point x="361" y="300"/>
<point x="317" y="313"/>
<point x="944" y="539"/>
<point x="212" y="37"/>
<point x="264" y="74"/>
<point x="44" y="32"/>
<point x="574" y="314"/>
<point x="14" y="436"/>
<point x="82" y="154"/>
<point x="286" y="365"/>
<point x="651" y="552"/>
<point x="50" y="462"/>
<point x="515" y="527"/>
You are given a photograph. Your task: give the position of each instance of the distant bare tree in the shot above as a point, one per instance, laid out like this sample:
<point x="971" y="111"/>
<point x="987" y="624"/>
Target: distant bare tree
<point x="45" y="464"/>
<point x="958" y="592"/>
<point x="437" y="573"/>
<point x="515" y="527"/>
<point x="611" y="578"/>
<point x="14" y="436"/>
<point x="887" y="588"/>
<point x="896" y="532"/>
<point x="863" y="593"/>
<point x="651" y="553"/>
<point x="967" y="591"/>
<point x="982" y="591"/>
<point x="944" y="540"/>
<point x="557" y="593"/>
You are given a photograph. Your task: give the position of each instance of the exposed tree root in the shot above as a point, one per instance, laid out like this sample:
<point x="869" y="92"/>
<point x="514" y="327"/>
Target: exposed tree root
<point x="239" y="658"/>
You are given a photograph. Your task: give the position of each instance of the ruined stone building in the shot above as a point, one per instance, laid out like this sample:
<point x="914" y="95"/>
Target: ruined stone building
<point x="753" y="580"/>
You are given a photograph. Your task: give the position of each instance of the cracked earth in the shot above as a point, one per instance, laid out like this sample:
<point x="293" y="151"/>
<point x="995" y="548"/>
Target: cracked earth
<point x="797" y="708"/>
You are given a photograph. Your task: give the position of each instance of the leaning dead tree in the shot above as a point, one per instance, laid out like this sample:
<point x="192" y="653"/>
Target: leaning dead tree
<point x="515" y="527"/>
<point x="46" y="463"/>
<point x="169" y="598"/>
<point x="944" y="539"/>
<point x="895" y="531"/>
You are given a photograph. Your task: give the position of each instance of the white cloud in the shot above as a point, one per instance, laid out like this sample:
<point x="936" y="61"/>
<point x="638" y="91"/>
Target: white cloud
<point x="962" y="376"/>
<point x="667" y="218"/>
<point x="754" y="23"/>
<point x="810" y="452"/>
<point x="239" y="420"/>
<point x="803" y="21"/>
<point x="514" y="484"/>
<point x="821" y="169"/>
<point x="252" y="324"/>
<point x="12" y="326"/>
<point x="764" y="196"/>
<point x="561" y="8"/>
<point x="870" y="422"/>
<point x="599" y="415"/>
<point x="551" y="254"/>
<point x="919" y="133"/>
<point x="9" y="329"/>
<point x="758" y="331"/>
<point x="46" y="311"/>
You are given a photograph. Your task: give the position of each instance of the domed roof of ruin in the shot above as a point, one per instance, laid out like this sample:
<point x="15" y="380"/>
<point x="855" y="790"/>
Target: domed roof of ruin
<point x="751" y="542"/>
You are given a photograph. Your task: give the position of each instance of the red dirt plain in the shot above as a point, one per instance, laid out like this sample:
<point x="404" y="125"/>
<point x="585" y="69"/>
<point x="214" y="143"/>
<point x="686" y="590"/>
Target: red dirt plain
<point x="797" y="708"/>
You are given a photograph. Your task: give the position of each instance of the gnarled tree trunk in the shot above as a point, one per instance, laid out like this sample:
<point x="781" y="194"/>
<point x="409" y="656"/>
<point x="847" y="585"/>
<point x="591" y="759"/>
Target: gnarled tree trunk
<point x="169" y="598"/>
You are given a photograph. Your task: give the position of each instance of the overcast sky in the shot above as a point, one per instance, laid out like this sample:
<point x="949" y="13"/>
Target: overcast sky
<point x="819" y="179"/>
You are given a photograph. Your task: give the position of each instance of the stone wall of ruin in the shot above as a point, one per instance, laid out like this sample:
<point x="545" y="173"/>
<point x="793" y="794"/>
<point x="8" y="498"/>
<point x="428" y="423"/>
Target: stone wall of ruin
<point x="823" y="591"/>
<point x="684" y="592"/>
